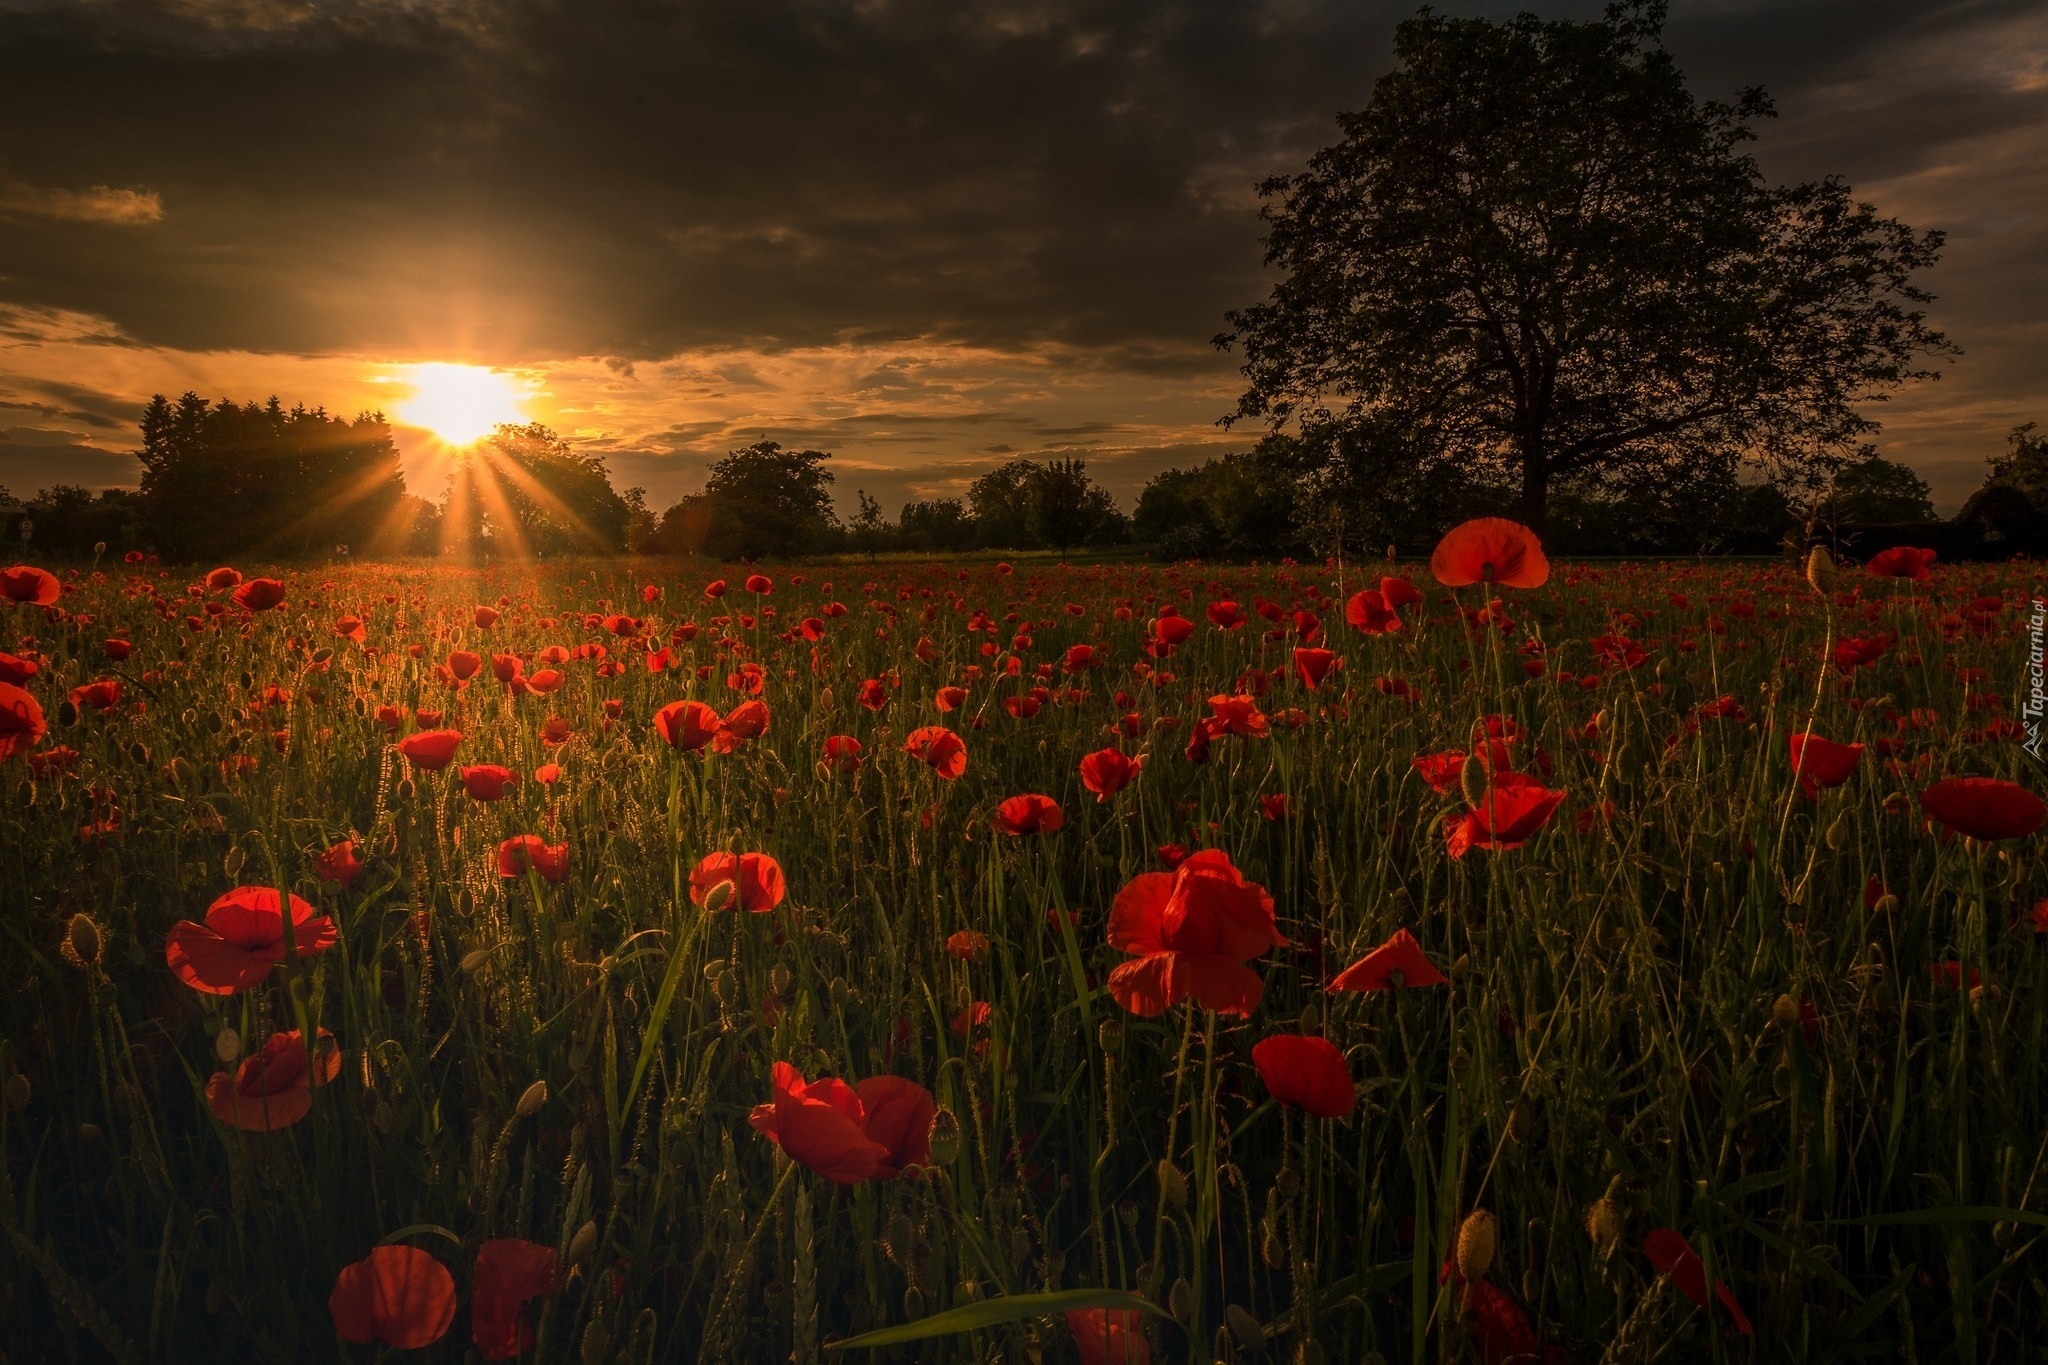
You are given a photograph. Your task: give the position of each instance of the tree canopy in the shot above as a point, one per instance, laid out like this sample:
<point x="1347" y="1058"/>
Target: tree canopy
<point x="759" y="500"/>
<point x="524" y="490"/>
<point x="1536" y="257"/>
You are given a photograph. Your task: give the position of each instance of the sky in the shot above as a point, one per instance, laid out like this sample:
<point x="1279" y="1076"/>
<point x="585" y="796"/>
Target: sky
<point x="923" y="235"/>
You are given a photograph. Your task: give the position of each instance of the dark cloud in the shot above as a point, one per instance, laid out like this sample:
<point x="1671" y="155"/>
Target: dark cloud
<point x="34" y="458"/>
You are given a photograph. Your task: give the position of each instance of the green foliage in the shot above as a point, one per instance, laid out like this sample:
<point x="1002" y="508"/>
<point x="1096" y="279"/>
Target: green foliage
<point x="1877" y="490"/>
<point x="2024" y="466"/>
<point x="1241" y="506"/>
<point x="935" y="524"/>
<point x="1026" y="505"/>
<point x="1536" y="258"/>
<point x="759" y="501"/>
<point x="523" y="490"/>
<point x="69" y="521"/>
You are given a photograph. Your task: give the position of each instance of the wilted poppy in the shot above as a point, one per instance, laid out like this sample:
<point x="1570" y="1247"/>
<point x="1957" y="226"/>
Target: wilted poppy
<point x="1030" y="813"/>
<point x="687" y="725"/>
<point x="1490" y="550"/>
<point x="398" y="1295"/>
<point x="1306" y="1072"/>
<point x="845" y="1133"/>
<point x="29" y="585"/>
<point x="509" y="1272"/>
<point x="339" y="865"/>
<point x="1986" y="808"/>
<point x="1398" y="962"/>
<point x="242" y="941"/>
<point x="21" y="721"/>
<point x="1821" y="762"/>
<point x="430" y="749"/>
<point x="938" y="748"/>
<point x="1901" y="561"/>
<point x="273" y="1087"/>
<point x="1668" y="1250"/>
<point x="488" y="781"/>
<point x="260" y="594"/>
<point x="755" y="881"/>
<point x="531" y="853"/>
<point x="1190" y="932"/>
<point x="1108" y="771"/>
<point x="1109" y="1336"/>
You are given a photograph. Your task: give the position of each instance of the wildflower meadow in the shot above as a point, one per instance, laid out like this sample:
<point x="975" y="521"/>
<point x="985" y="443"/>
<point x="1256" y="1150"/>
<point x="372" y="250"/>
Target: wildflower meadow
<point x="1481" y="959"/>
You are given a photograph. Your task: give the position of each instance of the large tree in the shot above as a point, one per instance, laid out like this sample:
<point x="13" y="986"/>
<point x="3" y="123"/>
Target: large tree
<point x="759" y="500"/>
<point x="524" y="490"/>
<point x="1536" y="257"/>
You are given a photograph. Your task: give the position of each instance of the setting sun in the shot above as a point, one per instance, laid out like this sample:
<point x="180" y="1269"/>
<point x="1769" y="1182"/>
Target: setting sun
<point x="461" y="403"/>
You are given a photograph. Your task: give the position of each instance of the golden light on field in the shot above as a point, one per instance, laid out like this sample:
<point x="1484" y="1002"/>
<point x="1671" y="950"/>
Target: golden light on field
<point x="460" y="403"/>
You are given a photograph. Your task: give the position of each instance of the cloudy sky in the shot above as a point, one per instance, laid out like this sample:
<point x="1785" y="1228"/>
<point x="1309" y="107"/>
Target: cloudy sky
<point x="925" y="235"/>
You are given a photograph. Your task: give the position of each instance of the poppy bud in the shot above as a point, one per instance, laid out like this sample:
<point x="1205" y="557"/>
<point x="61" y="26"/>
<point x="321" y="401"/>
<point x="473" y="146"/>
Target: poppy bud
<point x="584" y="1244"/>
<point x="232" y="863"/>
<point x="1604" y="1225"/>
<point x="714" y="969"/>
<point x="1180" y="1300"/>
<point x="227" y="1045"/>
<point x="536" y="1095"/>
<point x="779" y="978"/>
<point x="1785" y="1012"/>
<point x="17" y="1092"/>
<point x="1110" y="1034"/>
<point x="944" y="1140"/>
<point x="913" y="1303"/>
<point x="1886" y="904"/>
<point x="1471" y="782"/>
<point x="1838" y="832"/>
<point x="719" y="896"/>
<point x="1172" y="1184"/>
<point x="1478" y="1236"/>
<point x="1311" y="1017"/>
<point x="1820" y="570"/>
<point x="99" y="547"/>
<point x="473" y="961"/>
<point x="83" y="943"/>
<point x="825" y="699"/>
<point x="1127" y="1214"/>
<point x="89" y="1134"/>
<point x="1288" y="1182"/>
<point x="1245" y="1328"/>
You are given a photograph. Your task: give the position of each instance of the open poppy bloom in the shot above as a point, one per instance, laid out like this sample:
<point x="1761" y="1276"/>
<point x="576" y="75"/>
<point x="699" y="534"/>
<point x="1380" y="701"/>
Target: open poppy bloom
<point x="944" y="752"/>
<point x="760" y="583"/>
<point x="748" y="720"/>
<point x="509" y="1272"/>
<point x="398" y="1295"/>
<point x="1172" y="630"/>
<point x="103" y="695"/>
<point x="531" y="853"/>
<point x="1440" y="770"/>
<point x="1398" y="962"/>
<point x="242" y="941"/>
<point x="21" y="721"/>
<point x="1029" y="814"/>
<point x="1673" y="1256"/>
<point x="1822" y="762"/>
<point x="1226" y="615"/>
<point x="949" y="698"/>
<point x="29" y="585"/>
<point x="754" y="880"/>
<point x="485" y="617"/>
<point x="273" y="1087"/>
<point x="223" y="578"/>
<point x="842" y="753"/>
<point x="846" y="1133"/>
<point x="465" y="664"/>
<point x="1370" y="612"/>
<point x="1239" y="715"/>
<point x="1399" y="593"/>
<point x="1190" y="932"/>
<point x="260" y="594"/>
<point x="1108" y="771"/>
<point x="1986" y="808"/>
<point x="1513" y="809"/>
<point x="1307" y="1073"/>
<point x="430" y="749"/>
<point x="1901" y="561"/>
<point x="1109" y="1336"/>
<point x="686" y="725"/>
<point x="339" y="865"/>
<point x="488" y="781"/>
<point x="1313" y="665"/>
<point x="1490" y="550"/>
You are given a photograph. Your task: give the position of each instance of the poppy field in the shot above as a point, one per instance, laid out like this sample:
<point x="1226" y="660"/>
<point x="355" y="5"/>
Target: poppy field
<point x="1485" y="959"/>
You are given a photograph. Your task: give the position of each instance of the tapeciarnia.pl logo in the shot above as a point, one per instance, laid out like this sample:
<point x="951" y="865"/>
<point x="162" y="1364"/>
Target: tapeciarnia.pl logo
<point x="2034" y="701"/>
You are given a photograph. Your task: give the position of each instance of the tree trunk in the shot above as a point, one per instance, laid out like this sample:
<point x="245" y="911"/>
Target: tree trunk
<point x="1532" y="508"/>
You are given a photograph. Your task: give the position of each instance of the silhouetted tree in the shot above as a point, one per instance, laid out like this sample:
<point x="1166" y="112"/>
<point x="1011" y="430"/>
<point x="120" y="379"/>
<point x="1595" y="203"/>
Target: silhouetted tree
<point x="760" y="500"/>
<point x="1025" y="505"/>
<point x="868" y="532"/>
<point x="220" y="479"/>
<point x="937" y="524"/>
<point x="1244" y="506"/>
<point x="2024" y="466"/>
<point x="524" y="490"/>
<point x="1878" y="490"/>
<point x="999" y="503"/>
<point x="1536" y="257"/>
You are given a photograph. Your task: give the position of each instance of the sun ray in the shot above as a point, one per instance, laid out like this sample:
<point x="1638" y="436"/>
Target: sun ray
<point x="460" y="404"/>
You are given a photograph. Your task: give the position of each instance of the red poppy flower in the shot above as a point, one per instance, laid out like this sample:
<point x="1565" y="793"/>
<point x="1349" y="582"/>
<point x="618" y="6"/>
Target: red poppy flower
<point x="1030" y="813"/>
<point x="339" y="865"/>
<point x="1080" y="658"/>
<point x="842" y="753"/>
<point x="485" y="617"/>
<point x="1514" y="808"/>
<point x="969" y="945"/>
<point x="748" y="720"/>
<point x="949" y="698"/>
<point x="1490" y="550"/>
<point x="1275" y="806"/>
<point x="760" y="583"/>
<point x="531" y="853"/>
<point x="1306" y="1073"/>
<point x="1398" y="962"/>
<point x="687" y="725"/>
<point x="944" y="752"/>
<point x="15" y="670"/>
<point x="242" y="941"/>
<point x="754" y="880"/>
<point x="398" y="1295"/>
<point x="1399" y="593"/>
<point x="1190" y="932"/>
<point x="32" y="586"/>
<point x="223" y="578"/>
<point x="873" y="695"/>
<point x="273" y="1087"/>
<point x="465" y="664"/>
<point x="509" y="1272"/>
<point x="103" y="695"/>
<point x="117" y="650"/>
<point x="1370" y="612"/>
<point x="505" y="667"/>
<point x="1172" y="630"/>
<point x="1901" y="561"/>
<point x="1239" y="715"/>
<point x="1822" y="762"/>
<point x="1109" y="1336"/>
<point x="1313" y="665"/>
<point x="22" y="725"/>
<point x="1673" y="1256"/>
<point x="844" y="1133"/>
<point x="1986" y="808"/>
<point x="715" y="588"/>
<point x="430" y="749"/>
<point x="488" y="781"/>
<point x="547" y="774"/>
<point x="1440" y="770"/>
<point x="1227" y="615"/>
<point x="260" y="594"/>
<point x="1108" y="771"/>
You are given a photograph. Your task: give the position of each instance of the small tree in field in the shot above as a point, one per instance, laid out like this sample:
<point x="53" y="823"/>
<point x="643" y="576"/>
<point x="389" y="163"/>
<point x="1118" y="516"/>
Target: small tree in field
<point x="1537" y="258"/>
